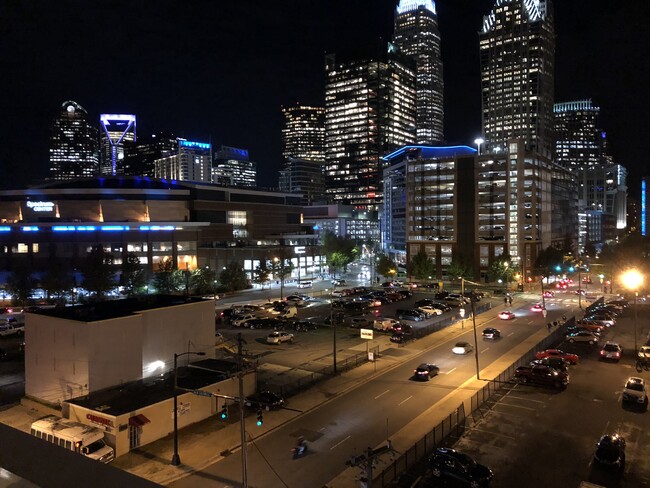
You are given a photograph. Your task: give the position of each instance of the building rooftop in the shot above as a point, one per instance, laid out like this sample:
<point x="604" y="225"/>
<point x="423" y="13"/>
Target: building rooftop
<point x="111" y="309"/>
<point x="429" y="152"/>
<point x="134" y="395"/>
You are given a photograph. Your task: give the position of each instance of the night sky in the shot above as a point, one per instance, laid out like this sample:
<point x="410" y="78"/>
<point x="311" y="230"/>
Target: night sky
<point x="219" y="71"/>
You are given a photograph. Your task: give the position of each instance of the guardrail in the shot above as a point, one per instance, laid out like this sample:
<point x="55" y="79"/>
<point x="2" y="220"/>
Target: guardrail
<point x="453" y="426"/>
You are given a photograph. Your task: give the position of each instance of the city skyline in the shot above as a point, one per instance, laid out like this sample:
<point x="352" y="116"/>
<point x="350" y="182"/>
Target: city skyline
<point x="227" y="84"/>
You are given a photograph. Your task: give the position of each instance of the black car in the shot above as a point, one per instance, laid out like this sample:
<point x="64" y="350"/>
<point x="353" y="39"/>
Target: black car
<point x="264" y="323"/>
<point x="425" y="302"/>
<point x="3" y="354"/>
<point x="557" y="364"/>
<point x="449" y="463"/>
<point x="400" y="337"/>
<point x="266" y="400"/>
<point x="441" y="295"/>
<point x="414" y="315"/>
<point x="404" y="328"/>
<point x="425" y="371"/>
<point x="304" y="325"/>
<point x="337" y="318"/>
<point x="405" y="293"/>
<point x="610" y="451"/>
<point x="491" y="333"/>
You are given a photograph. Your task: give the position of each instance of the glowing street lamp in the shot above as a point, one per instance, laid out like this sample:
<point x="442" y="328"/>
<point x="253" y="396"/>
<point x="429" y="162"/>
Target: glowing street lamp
<point x="478" y="141"/>
<point x="632" y="280"/>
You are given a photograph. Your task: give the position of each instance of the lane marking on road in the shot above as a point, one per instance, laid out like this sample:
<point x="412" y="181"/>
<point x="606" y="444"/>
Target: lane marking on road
<point x="451" y="371"/>
<point x="484" y="350"/>
<point x="514" y="406"/>
<point x="405" y="400"/>
<point x="339" y="443"/>
<point x="511" y="333"/>
<point x="381" y="394"/>
<point x="493" y="433"/>
<point x="525" y="399"/>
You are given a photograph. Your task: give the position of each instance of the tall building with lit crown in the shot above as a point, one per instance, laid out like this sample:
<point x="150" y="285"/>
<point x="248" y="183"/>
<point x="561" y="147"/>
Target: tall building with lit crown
<point x="116" y="131"/>
<point x="191" y="161"/>
<point x="303" y="152"/>
<point x="74" y="147"/>
<point x="232" y="167"/>
<point x="517" y="50"/>
<point x="417" y="35"/>
<point x="579" y="142"/>
<point x="369" y="110"/>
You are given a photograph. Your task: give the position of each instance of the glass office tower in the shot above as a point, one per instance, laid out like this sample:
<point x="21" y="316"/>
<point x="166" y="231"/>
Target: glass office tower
<point x="74" y="147"/>
<point x="417" y="35"/>
<point x="117" y="130"/>
<point x="517" y="49"/>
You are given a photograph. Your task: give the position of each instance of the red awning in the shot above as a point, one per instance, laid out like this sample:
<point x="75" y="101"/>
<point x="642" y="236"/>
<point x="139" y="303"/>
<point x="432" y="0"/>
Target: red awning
<point x="139" y="420"/>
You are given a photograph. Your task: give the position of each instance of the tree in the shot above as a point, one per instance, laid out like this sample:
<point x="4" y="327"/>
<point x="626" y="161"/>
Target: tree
<point x="21" y="283"/>
<point x="421" y="266"/>
<point x="345" y="247"/>
<point x="261" y="273"/>
<point x="204" y="281"/>
<point x="134" y="276"/>
<point x="167" y="279"/>
<point x="386" y="266"/>
<point x="233" y="277"/>
<point x="336" y="261"/>
<point x="548" y="259"/>
<point x="460" y="269"/>
<point x="97" y="271"/>
<point x="502" y="268"/>
<point x="58" y="280"/>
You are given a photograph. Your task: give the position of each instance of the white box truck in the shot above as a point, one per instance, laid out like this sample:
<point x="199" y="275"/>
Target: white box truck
<point x="74" y="436"/>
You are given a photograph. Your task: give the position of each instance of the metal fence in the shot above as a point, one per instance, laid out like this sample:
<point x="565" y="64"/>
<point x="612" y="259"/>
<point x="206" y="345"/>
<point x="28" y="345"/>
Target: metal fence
<point x="452" y="427"/>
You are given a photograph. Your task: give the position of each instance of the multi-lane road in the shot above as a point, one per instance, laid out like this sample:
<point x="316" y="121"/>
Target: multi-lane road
<point x="369" y="414"/>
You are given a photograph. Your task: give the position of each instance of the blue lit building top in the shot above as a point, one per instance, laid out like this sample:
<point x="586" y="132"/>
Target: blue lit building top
<point x="194" y="144"/>
<point x="429" y="152"/>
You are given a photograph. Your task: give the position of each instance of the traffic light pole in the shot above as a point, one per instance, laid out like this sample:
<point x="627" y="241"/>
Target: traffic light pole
<point x="242" y="415"/>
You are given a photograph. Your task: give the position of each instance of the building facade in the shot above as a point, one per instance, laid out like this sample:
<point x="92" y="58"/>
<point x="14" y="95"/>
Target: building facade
<point x="517" y="51"/>
<point x="191" y="161"/>
<point x="139" y="159"/>
<point x="304" y="177"/>
<point x="473" y="209"/>
<point x="369" y="110"/>
<point x="343" y="221"/>
<point x="74" y="144"/>
<point x="232" y="167"/>
<point x="417" y="35"/>
<point x="116" y="132"/>
<point x="579" y="142"/>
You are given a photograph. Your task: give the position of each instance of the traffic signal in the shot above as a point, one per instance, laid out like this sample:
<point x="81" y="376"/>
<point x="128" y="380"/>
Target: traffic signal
<point x="260" y="418"/>
<point x="224" y="412"/>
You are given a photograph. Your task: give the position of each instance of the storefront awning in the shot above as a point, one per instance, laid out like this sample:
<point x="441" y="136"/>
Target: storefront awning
<point x="138" y="420"/>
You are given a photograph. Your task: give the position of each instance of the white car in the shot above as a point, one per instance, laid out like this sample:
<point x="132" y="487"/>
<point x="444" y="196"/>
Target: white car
<point x="583" y="336"/>
<point x="634" y="390"/>
<point x="385" y="324"/>
<point x="242" y="319"/>
<point x="462" y="348"/>
<point x="430" y="310"/>
<point x="278" y="337"/>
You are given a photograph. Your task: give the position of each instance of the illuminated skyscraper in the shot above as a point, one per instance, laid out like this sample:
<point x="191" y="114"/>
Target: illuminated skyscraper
<point x="303" y="151"/>
<point x="232" y="167"/>
<point x="517" y="47"/>
<point x="74" y="147"/>
<point x="191" y="161"/>
<point x="117" y="130"/>
<point x="369" y="110"/>
<point x="579" y="142"/>
<point x="417" y="35"/>
<point x="139" y="158"/>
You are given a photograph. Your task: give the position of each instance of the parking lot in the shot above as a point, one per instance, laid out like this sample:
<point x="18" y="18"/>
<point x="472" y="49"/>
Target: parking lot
<point x="536" y="437"/>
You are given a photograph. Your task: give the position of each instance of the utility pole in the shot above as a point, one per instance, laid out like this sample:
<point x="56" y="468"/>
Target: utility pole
<point x="242" y="413"/>
<point x="471" y="300"/>
<point x="367" y="460"/>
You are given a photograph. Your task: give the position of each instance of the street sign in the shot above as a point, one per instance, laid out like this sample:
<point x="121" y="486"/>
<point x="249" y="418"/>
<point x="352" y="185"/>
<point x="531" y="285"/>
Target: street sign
<point x="202" y="393"/>
<point x="367" y="334"/>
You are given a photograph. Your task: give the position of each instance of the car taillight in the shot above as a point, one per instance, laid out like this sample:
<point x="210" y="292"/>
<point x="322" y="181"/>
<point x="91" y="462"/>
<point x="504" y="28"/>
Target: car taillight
<point x="618" y="354"/>
<point x="602" y="353"/>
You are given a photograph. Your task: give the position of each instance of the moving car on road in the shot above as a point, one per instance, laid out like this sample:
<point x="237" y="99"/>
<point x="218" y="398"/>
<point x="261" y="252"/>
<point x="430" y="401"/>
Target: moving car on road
<point x="462" y="348"/>
<point x="537" y="308"/>
<point x="278" y="337"/>
<point x="425" y="371"/>
<point x="507" y="315"/>
<point x="491" y="333"/>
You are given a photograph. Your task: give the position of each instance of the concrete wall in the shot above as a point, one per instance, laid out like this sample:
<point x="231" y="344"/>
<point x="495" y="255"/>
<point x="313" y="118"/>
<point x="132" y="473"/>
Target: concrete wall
<point x="66" y="358"/>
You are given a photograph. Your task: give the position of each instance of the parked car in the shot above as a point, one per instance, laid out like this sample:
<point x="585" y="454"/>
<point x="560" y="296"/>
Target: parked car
<point x="266" y="322"/>
<point x="360" y="322"/>
<point x="400" y="337"/>
<point x="296" y="300"/>
<point x="3" y="354"/>
<point x="462" y="348"/>
<point x="304" y="325"/>
<point x="242" y="320"/>
<point x="506" y="315"/>
<point x="405" y="293"/>
<point x="425" y="371"/>
<point x="338" y="282"/>
<point x="266" y="400"/>
<point x="542" y="375"/>
<point x="400" y="327"/>
<point x="583" y="336"/>
<point x="549" y="294"/>
<point x="278" y="337"/>
<point x="591" y="325"/>
<point x="644" y="354"/>
<point x="409" y="315"/>
<point x="574" y="329"/>
<point x="491" y="333"/>
<point x="557" y="353"/>
<point x="430" y="310"/>
<point x="555" y="363"/>
<point x="599" y="320"/>
<point x="610" y="451"/>
<point x="611" y="350"/>
<point x="424" y="302"/>
<point x="385" y="324"/>
<point x="449" y="463"/>
<point x="634" y="391"/>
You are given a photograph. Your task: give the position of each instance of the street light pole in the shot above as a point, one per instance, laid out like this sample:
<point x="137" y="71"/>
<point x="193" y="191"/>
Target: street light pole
<point x="176" y="459"/>
<point x="636" y="318"/>
<point x="471" y="300"/>
<point x="333" y="329"/>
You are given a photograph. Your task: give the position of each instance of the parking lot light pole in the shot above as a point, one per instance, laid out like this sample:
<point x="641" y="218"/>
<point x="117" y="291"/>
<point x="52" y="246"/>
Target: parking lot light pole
<point x="333" y="329"/>
<point x="176" y="459"/>
<point x="632" y="280"/>
<point x="471" y="300"/>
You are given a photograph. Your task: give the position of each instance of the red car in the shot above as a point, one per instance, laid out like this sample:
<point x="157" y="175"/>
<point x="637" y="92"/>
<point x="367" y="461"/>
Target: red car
<point x="537" y="308"/>
<point x="556" y="353"/>
<point x="549" y="294"/>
